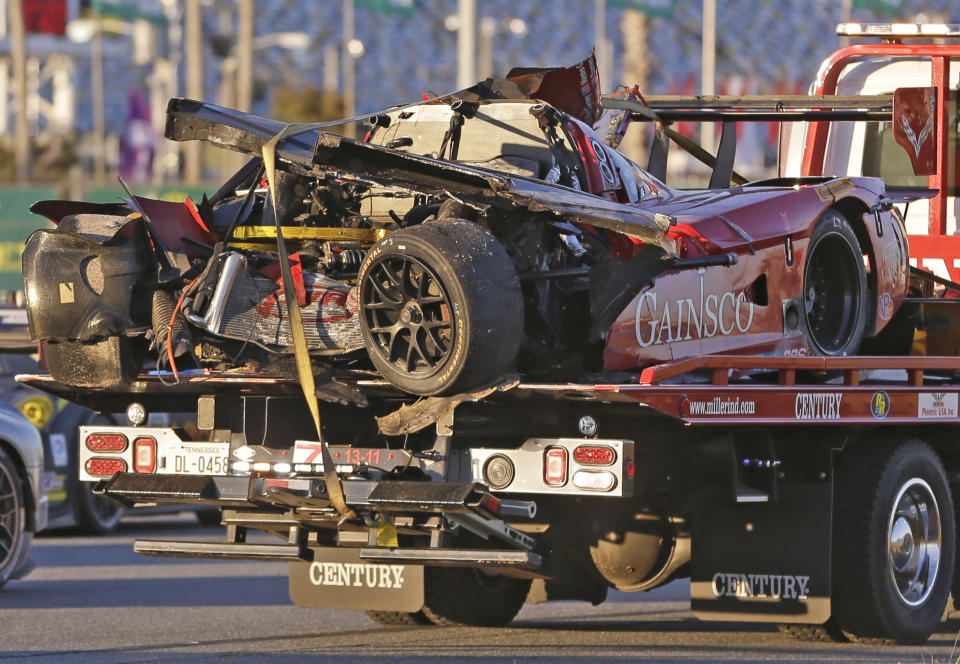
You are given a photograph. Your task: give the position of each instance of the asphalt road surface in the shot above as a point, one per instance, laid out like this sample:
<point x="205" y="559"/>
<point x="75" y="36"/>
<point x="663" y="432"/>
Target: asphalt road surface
<point x="94" y="600"/>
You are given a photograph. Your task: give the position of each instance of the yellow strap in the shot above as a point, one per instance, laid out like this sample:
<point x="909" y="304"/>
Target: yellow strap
<point x="331" y="478"/>
<point x="387" y="532"/>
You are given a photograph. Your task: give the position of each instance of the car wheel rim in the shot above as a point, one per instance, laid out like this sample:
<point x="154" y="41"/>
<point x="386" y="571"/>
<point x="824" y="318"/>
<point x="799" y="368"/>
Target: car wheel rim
<point x="831" y="294"/>
<point x="914" y="542"/>
<point x="408" y="313"/>
<point x="9" y="517"/>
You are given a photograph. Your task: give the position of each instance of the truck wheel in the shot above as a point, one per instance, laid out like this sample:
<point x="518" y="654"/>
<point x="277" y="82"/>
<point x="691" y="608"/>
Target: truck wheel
<point x="471" y="597"/>
<point x="441" y="309"/>
<point x="14" y="538"/>
<point x="399" y="618"/>
<point x="893" y="542"/>
<point x="825" y="633"/>
<point x="834" y="288"/>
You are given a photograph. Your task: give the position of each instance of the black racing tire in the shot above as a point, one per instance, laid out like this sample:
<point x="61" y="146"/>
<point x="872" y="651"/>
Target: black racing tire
<point x="464" y="596"/>
<point x="399" y="618"/>
<point x="14" y="538"/>
<point x="834" y="288"/>
<point x="893" y="542"/>
<point x="440" y="307"/>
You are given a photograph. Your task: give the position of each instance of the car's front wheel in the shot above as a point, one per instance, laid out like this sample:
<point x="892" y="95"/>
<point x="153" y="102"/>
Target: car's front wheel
<point x="14" y="538"/>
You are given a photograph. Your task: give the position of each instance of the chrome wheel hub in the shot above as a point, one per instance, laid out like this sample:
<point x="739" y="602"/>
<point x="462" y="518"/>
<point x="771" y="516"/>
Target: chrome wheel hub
<point x="914" y="541"/>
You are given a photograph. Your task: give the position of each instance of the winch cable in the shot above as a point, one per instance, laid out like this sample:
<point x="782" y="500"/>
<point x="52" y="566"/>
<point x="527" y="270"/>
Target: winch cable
<point x="331" y="478"/>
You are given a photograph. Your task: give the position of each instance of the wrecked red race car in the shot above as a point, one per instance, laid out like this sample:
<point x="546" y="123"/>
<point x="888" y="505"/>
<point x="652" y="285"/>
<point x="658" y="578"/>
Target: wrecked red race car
<point x="487" y="233"/>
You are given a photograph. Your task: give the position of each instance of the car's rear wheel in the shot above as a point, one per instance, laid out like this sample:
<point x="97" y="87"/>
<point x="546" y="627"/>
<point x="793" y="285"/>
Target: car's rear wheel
<point x="834" y="288"/>
<point x="13" y="519"/>
<point x="441" y="308"/>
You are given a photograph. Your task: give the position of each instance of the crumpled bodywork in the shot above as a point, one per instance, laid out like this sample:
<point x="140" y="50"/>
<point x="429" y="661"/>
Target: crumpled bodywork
<point x="592" y="264"/>
<point x="317" y="152"/>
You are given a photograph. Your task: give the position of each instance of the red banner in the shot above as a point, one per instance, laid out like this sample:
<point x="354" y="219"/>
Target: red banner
<point x="45" y="16"/>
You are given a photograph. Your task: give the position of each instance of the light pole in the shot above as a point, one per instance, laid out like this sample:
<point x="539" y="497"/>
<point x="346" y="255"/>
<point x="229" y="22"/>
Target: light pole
<point x="96" y="85"/>
<point x="601" y="47"/>
<point x="708" y="65"/>
<point x="245" y="17"/>
<point x="18" y="54"/>
<point x="466" y="43"/>
<point x="193" y="157"/>
<point x="349" y="72"/>
<point x="488" y="30"/>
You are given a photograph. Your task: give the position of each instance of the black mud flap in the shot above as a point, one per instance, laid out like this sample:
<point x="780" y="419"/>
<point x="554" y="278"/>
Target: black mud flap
<point x="767" y="561"/>
<point x="339" y="579"/>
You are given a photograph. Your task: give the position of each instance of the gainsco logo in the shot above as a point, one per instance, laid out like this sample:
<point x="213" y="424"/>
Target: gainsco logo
<point x="687" y="318"/>
<point x="935" y="405"/>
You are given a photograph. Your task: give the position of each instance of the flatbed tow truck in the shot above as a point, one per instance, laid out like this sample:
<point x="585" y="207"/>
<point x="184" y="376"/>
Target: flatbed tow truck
<point x="813" y="492"/>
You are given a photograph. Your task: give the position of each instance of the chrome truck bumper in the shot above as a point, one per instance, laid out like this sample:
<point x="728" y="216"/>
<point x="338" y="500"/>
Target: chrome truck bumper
<point x="420" y="508"/>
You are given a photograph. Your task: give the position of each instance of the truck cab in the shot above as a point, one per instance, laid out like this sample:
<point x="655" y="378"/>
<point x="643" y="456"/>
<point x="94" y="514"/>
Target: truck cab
<point x="907" y="56"/>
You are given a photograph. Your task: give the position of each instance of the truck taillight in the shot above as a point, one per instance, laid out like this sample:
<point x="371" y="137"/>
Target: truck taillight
<point x="555" y="466"/>
<point x="103" y="467"/>
<point x="594" y="455"/>
<point x="106" y="442"/>
<point x="144" y="455"/>
<point x="594" y="480"/>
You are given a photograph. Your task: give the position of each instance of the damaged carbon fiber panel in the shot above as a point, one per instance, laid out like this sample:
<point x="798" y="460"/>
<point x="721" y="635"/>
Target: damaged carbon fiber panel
<point x="314" y="149"/>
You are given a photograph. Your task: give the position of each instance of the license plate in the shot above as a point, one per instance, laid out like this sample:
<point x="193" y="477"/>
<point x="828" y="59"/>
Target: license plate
<point x="197" y="459"/>
<point x="306" y="451"/>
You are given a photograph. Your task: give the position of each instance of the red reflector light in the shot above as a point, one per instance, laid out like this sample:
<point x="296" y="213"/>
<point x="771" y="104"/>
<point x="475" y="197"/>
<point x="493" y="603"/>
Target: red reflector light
<point x="105" y="467"/>
<point x="144" y="455"/>
<point x="630" y="469"/>
<point x="106" y="442"/>
<point x="595" y="455"/>
<point x="555" y="466"/>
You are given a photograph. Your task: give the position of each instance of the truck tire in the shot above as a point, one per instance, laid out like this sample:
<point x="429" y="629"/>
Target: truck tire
<point x="471" y="597"/>
<point x="893" y="542"/>
<point x="14" y="538"/>
<point x="834" y="288"/>
<point x="441" y="308"/>
<point x="828" y="632"/>
<point x="399" y="618"/>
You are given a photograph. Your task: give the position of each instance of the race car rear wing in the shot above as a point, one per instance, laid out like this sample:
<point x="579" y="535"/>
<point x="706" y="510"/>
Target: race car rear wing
<point x="729" y="110"/>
